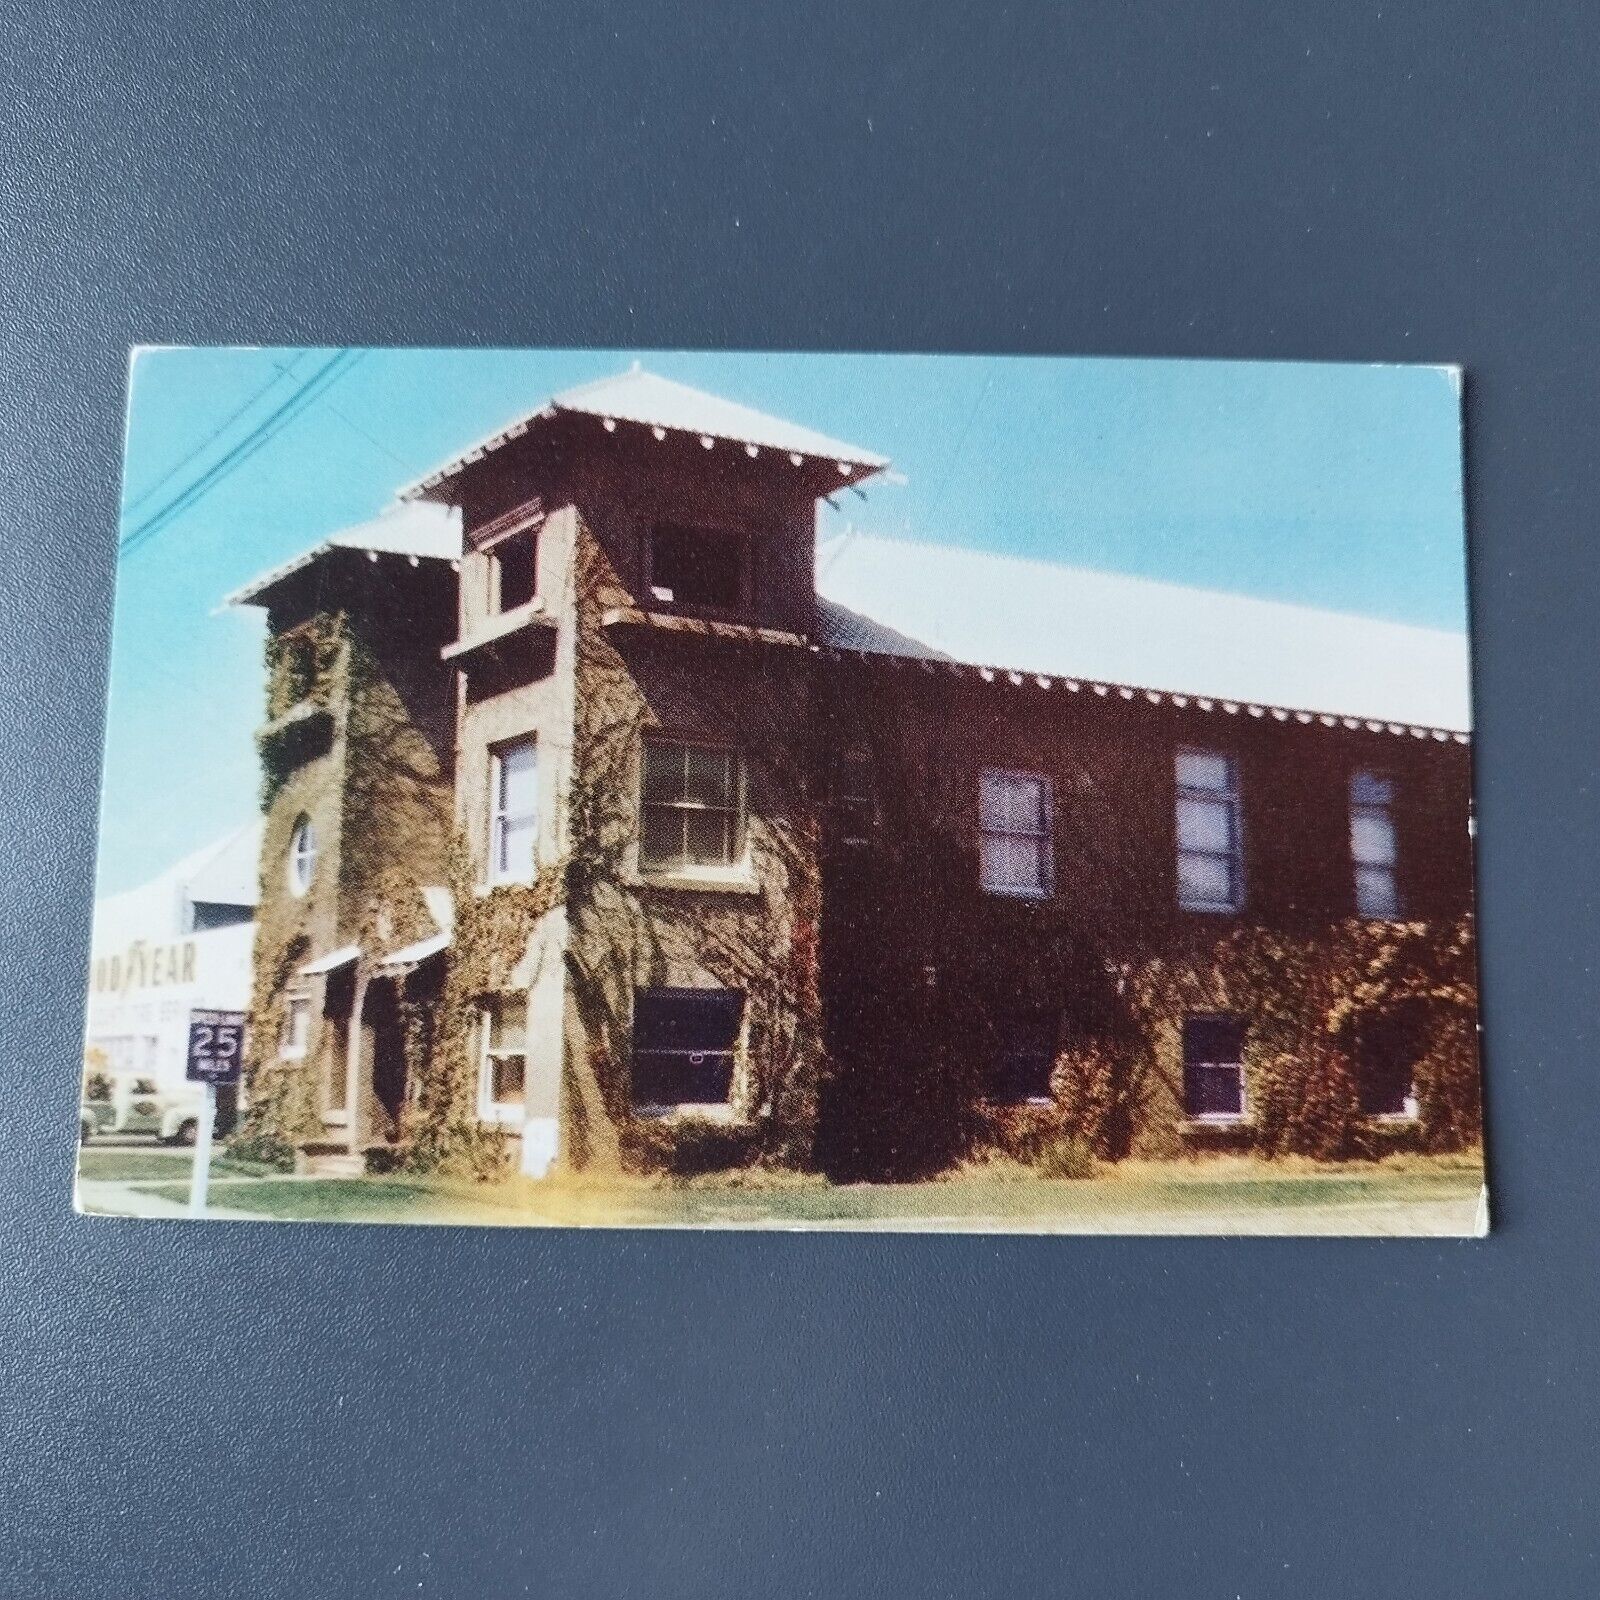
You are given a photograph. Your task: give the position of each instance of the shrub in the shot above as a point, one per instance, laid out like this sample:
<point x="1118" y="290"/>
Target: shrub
<point x="1066" y="1156"/>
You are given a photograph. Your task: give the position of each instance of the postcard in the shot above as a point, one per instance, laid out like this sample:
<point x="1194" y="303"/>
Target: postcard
<point x="886" y="792"/>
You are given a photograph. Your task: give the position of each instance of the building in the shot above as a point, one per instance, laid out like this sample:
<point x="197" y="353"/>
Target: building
<point x="178" y="944"/>
<point x="592" y="828"/>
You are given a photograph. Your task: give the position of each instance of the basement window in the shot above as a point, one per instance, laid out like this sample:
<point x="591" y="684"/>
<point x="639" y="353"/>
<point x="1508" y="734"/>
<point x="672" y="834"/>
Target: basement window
<point x="683" y="1046"/>
<point x="1015" y="833"/>
<point x="1386" y="1054"/>
<point x="702" y="568"/>
<point x="1372" y="845"/>
<point x="693" y="808"/>
<point x="1213" y="1069"/>
<point x="503" y="1064"/>
<point x="1024" y="1059"/>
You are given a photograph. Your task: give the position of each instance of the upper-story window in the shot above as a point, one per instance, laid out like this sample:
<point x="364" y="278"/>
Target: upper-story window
<point x="1210" y="832"/>
<point x="1015" y="843"/>
<point x="302" y="855"/>
<point x="514" y="811"/>
<point x="1372" y="845"/>
<point x="693" y="807"/>
<point x="514" y="570"/>
<point x="706" y="568"/>
<point x="857" y="796"/>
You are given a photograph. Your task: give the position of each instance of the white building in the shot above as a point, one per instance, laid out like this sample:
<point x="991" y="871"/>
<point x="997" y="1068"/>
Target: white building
<point x="180" y="943"/>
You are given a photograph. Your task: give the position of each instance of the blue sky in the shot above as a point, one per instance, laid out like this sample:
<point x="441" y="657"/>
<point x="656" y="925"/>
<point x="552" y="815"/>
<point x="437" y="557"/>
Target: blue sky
<point x="1330" y="485"/>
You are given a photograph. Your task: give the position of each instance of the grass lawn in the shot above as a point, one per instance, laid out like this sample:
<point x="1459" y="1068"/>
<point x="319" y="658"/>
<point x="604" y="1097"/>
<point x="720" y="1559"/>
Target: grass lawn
<point x="1225" y="1195"/>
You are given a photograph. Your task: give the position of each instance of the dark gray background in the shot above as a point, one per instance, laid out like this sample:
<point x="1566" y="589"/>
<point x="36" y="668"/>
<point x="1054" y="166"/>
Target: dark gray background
<point x="305" y="1411"/>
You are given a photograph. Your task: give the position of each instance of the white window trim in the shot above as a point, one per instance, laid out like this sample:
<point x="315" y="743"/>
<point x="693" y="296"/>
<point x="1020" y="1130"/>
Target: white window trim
<point x="706" y="1110"/>
<point x="1235" y="795"/>
<point x="1410" y="1111"/>
<point x="491" y="1110"/>
<point x="301" y="865"/>
<point x="295" y="1004"/>
<point x="1047" y="834"/>
<point x="495" y="876"/>
<point x="738" y="873"/>
<point x="1220" y="1119"/>
<point x="1392" y="867"/>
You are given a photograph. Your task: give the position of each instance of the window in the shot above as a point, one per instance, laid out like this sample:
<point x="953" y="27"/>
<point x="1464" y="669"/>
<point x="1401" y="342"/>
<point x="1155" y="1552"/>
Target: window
<point x="302" y="855"/>
<point x="1014" y="824"/>
<point x="1210" y="840"/>
<point x="503" y="1072"/>
<point x="1024" y="1059"/>
<point x="513" y="821"/>
<point x="1213" y="1068"/>
<point x="515" y="563"/>
<point x="693" y="805"/>
<point x="1372" y="845"/>
<point x="857" y="797"/>
<point x="296" y="1032"/>
<point x="698" y="567"/>
<point x="1387" y="1049"/>
<point x="683" y="1045"/>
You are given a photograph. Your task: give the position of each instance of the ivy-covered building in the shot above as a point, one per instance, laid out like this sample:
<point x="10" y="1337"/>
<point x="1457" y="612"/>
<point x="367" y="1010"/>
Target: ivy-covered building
<point x="594" y="832"/>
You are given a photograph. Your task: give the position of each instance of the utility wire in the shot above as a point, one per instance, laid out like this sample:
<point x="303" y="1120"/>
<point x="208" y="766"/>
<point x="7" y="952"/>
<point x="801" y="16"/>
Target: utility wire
<point x="354" y="426"/>
<point x="329" y="373"/>
<point x="216" y="433"/>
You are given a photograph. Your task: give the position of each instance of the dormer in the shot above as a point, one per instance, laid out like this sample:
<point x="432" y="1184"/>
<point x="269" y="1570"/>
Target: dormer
<point x="704" y="508"/>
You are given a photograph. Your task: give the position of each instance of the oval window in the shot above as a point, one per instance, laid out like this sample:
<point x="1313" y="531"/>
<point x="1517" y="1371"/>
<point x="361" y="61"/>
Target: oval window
<point x="302" y="856"/>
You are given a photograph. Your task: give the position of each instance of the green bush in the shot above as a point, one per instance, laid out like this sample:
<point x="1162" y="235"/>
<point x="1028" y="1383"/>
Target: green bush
<point x="1066" y="1156"/>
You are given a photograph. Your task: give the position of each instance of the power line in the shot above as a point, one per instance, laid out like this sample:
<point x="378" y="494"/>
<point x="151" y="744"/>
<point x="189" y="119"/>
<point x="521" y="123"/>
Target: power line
<point x="354" y="426"/>
<point x="216" y="433"/>
<point x="329" y="373"/>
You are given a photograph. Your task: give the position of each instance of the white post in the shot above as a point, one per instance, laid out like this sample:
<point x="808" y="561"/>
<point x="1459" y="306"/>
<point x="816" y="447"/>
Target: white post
<point x="201" y="1176"/>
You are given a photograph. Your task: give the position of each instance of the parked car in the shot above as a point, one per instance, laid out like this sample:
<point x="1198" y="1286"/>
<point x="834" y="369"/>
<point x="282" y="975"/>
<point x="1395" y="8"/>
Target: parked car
<point x="132" y="1102"/>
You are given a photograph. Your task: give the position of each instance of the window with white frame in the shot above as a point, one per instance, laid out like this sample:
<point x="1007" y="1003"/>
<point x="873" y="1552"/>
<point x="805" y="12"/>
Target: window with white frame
<point x="296" y="1031"/>
<point x="514" y="808"/>
<point x="692" y="804"/>
<point x="1015" y="846"/>
<point x="302" y="864"/>
<point x="503" y="1068"/>
<point x="1372" y="845"/>
<point x="1210" y="832"/>
<point x="857" y="796"/>
<point x="1213" y="1068"/>
<point x="684" y="1041"/>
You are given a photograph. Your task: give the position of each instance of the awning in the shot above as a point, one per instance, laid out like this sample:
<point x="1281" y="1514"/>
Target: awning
<point x="335" y="959"/>
<point x="412" y="955"/>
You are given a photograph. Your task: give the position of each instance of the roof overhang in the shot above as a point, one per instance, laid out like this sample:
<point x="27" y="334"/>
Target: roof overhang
<point x="342" y="957"/>
<point x="412" y="533"/>
<point x="660" y="408"/>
